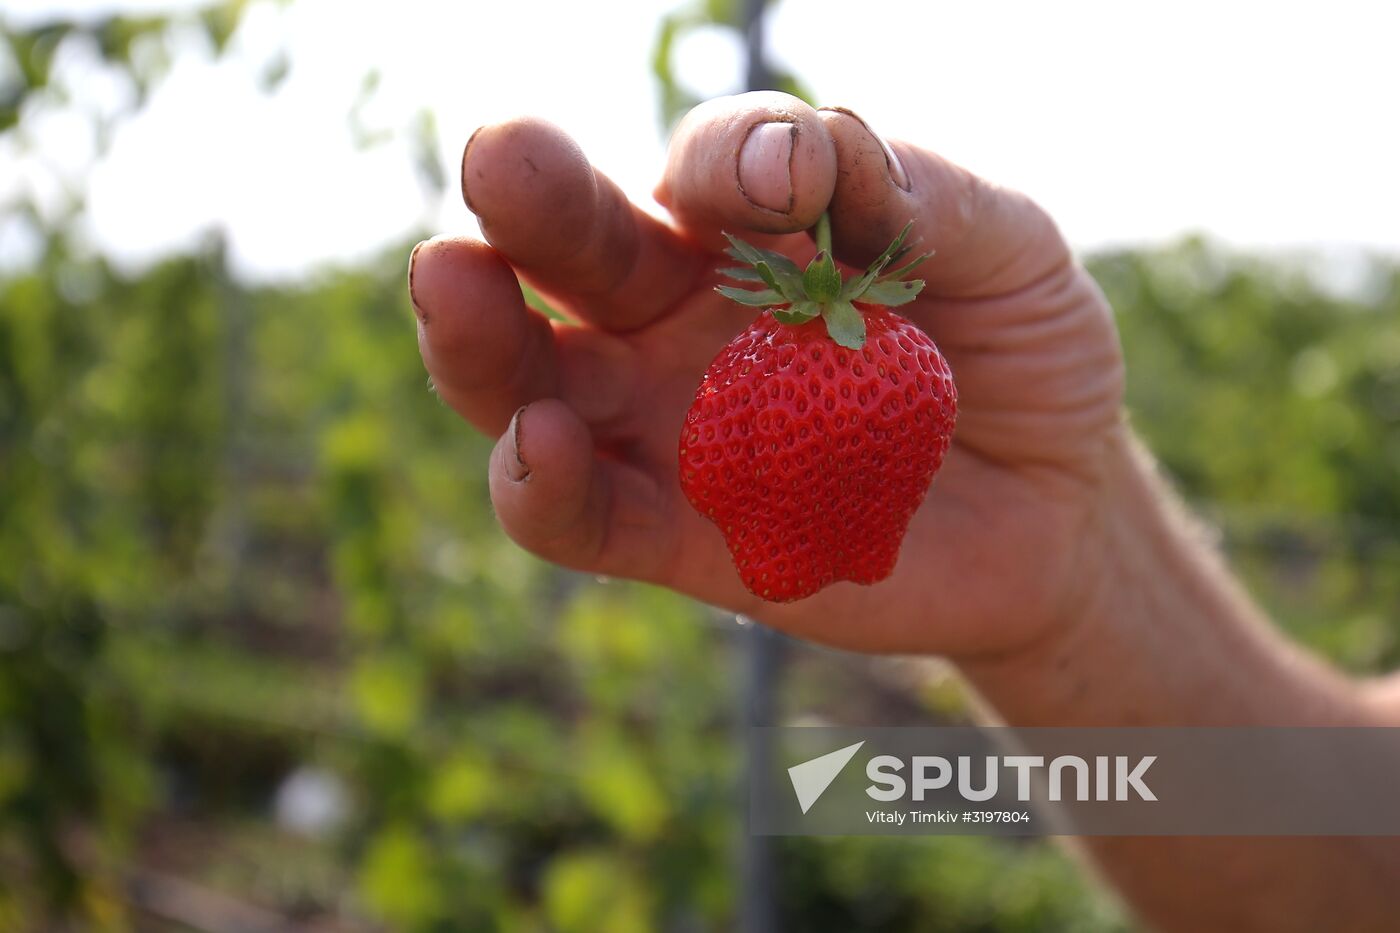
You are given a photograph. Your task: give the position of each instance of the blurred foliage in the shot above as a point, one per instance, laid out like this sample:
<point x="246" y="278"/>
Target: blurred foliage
<point x="217" y="563"/>
<point x="139" y="45"/>
<point x="1275" y="403"/>
<point x="675" y="98"/>
<point x="243" y="550"/>
<point x="238" y="537"/>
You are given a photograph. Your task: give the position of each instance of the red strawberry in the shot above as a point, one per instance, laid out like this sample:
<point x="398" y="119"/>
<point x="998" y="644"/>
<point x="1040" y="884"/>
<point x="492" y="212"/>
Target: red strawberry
<point x="812" y="442"/>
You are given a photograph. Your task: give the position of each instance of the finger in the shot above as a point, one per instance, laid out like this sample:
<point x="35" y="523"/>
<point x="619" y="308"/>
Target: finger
<point x="986" y="240"/>
<point x="557" y="499"/>
<point x="488" y="353"/>
<point x="571" y="230"/>
<point x="1027" y="334"/>
<point x="760" y="161"/>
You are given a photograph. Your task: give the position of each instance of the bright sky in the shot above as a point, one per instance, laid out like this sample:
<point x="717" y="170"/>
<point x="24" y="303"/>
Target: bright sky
<point x="1262" y="124"/>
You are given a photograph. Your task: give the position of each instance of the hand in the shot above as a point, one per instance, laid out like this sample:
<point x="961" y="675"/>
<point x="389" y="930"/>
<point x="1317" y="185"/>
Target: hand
<point x="585" y="474"/>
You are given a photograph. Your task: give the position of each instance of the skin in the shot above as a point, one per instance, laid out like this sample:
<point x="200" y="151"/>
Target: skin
<point x="1049" y="562"/>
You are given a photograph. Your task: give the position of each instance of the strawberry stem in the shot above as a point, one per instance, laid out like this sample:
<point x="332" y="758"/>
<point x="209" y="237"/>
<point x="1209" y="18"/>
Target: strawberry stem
<point x="824" y="233"/>
<point x="796" y="296"/>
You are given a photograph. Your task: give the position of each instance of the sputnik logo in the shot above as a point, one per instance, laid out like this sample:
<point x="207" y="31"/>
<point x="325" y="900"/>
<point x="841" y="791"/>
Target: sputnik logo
<point x="811" y="778"/>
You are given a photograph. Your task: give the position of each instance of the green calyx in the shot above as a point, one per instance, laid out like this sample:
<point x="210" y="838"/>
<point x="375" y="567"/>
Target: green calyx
<point x="797" y="295"/>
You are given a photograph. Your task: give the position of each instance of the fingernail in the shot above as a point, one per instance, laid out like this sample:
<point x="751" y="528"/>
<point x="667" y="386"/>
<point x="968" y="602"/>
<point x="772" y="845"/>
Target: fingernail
<point x="765" y="173"/>
<point x="896" y="168"/>
<point x="516" y="468"/>
<point x="466" y="153"/>
<point x="412" y="295"/>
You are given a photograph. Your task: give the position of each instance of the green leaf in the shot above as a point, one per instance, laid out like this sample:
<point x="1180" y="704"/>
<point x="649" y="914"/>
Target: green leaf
<point x="822" y="280"/>
<point x="675" y="99"/>
<point x="799" y="313"/>
<point x="595" y="889"/>
<point x="765" y="272"/>
<point x="857" y="287"/>
<point x="785" y="271"/>
<point x="753" y="255"/>
<point x="789" y="276"/>
<point x="744" y="252"/>
<point x="33" y="51"/>
<point x="884" y="258"/>
<point x="397" y="877"/>
<point x="860" y="289"/>
<point x="742" y="273"/>
<point x="909" y="267"/>
<point x="779" y="262"/>
<point x="789" y="283"/>
<point x="844" y="324"/>
<point x="461" y="788"/>
<point x="389" y="693"/>
<point x="854" y="288"/>
<point x="534" y="299"/>
<point x="893" y="293"/>
<point x="754" y="299"/>
<point x="220" y="21"/>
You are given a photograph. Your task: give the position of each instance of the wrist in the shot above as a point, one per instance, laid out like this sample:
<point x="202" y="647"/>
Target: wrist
<point x="1031" y="684"/>
<point x="1155" y="631"/>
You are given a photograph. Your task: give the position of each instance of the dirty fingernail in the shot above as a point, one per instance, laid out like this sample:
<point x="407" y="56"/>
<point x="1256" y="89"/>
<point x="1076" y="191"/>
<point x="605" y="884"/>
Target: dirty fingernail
<point x="897" y="173"/>
<point x="896" y="168"/>
<point x="466" y="154"/>
<point x="516" y="468"/>
<point x="765" y="174"/>
<point x="412" y="266"/>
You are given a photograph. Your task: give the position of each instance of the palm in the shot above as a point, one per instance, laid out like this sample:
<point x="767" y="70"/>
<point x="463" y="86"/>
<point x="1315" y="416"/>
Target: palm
<point x="986" y="547"/>
<point x="586" y="472"/>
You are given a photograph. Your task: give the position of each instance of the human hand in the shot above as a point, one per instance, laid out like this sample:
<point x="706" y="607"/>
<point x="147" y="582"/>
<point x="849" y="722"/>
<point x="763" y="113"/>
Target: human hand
<point x="585" y="473"/>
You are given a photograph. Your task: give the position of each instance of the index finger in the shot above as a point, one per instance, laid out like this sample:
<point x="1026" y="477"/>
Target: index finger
<point x="569" y="230"/>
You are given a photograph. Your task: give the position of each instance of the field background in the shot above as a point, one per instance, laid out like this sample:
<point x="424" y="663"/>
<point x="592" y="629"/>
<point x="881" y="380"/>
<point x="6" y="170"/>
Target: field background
<point x="266" y="661"/>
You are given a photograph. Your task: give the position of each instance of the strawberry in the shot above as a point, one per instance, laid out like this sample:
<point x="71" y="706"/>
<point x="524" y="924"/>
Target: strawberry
<point x="815" y="433"/>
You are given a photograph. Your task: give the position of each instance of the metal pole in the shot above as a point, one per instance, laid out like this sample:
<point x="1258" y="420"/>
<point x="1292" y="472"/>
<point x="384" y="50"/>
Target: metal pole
<point x="763" y="648"/>
<point x="757" y="76"/>
<point x="758" y="879"/>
